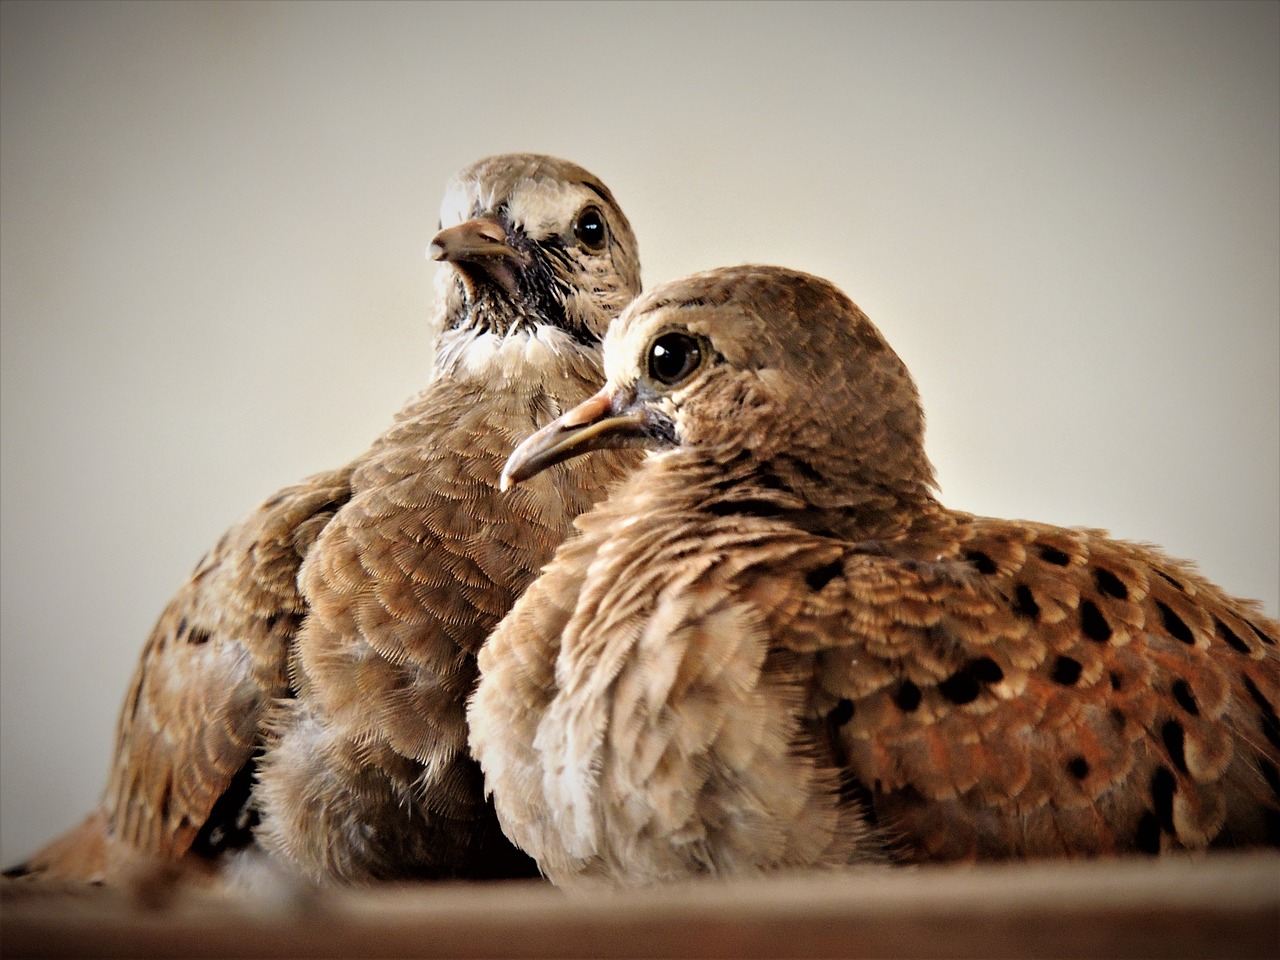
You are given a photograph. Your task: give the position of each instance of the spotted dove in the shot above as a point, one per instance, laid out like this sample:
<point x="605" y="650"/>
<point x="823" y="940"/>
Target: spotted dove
<point x="774" y="648"/>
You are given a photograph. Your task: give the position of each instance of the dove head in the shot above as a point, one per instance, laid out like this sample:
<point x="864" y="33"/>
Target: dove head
<point x="758" y="365"/>
<point x="532" y="241"/>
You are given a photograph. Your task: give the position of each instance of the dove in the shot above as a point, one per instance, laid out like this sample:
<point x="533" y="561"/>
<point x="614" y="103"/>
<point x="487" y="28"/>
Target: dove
<point x="302" y="699"/>
<point x="772" y="647"/>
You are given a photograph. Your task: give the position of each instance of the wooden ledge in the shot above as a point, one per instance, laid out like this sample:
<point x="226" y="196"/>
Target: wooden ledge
<point x="1220" y="905"/>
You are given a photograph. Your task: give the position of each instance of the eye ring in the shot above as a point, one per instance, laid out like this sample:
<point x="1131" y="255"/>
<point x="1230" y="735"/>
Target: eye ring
<point x="674" y="357"/>
<point x="589" y="228"/>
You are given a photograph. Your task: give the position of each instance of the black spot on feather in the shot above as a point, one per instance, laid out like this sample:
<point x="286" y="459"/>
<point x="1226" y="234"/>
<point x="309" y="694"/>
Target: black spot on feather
<point x="907" y="696"/>
<point x="1066" y="671"/>
<point x="1270" y="722"/>
<point x="1229" y="637"/>
<point x="966" y="684"/>
<point x="1093" y="623"/>
<point x="986" y="670"/>
<point x="1054" y="555"/>
<point x="1270" y="641"/>
<point x="1110" y="584"/>
<point x="1174" y="738"/>
<point x="981" y="562"/>
<point x="1025" y="603"/>
<point x="821" y="576"/>
<point x="1186" y="699"/>
<point x="1174" y="624"/>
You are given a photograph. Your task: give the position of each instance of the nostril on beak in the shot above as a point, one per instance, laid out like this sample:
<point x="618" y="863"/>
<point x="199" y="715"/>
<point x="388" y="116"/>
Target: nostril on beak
<point x="492" y="231"/>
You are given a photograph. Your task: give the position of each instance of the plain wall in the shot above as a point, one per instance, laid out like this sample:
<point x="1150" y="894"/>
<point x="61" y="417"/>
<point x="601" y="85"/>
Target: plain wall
<point x="1064" y="217"/>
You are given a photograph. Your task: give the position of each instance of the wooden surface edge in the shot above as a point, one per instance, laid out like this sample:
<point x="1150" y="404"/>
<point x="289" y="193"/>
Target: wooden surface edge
<point x="1224" y="905"/>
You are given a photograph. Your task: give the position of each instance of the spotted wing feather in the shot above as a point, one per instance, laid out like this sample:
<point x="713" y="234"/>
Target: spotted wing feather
<point x="1011" y="689"/>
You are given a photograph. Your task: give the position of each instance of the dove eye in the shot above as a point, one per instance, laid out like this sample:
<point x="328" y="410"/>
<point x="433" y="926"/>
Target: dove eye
<point x="589" y="228"/>
<point x="673" y="358"/>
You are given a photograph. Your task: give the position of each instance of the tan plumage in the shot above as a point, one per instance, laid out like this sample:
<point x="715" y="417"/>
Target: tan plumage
<point x="313" y="672"/>
<point x="773" y="647"/>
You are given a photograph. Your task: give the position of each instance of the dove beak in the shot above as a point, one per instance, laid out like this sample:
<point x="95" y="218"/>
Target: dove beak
<point x="479" y="245"/>
<point x="591" y="425"/>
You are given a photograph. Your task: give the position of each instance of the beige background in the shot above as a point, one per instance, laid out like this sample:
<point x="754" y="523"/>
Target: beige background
<point x="1064" y="217"/>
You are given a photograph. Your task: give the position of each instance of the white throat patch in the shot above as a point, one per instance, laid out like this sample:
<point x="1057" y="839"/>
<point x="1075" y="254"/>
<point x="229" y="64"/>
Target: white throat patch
<point x="540" y="348"/>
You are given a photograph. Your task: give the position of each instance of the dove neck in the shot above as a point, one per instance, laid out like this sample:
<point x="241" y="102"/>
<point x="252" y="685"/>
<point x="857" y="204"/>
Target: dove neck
<point x="798" y="492"/>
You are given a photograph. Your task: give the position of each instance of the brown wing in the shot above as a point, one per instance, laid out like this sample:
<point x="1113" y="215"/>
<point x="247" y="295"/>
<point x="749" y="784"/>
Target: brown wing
<point x="215" y="660"/>
<point x="403" y="588"/>
<point x="1007" y="689"/>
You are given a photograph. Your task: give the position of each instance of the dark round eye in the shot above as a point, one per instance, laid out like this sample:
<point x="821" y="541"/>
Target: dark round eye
<point x="673" y="358"/>
<point x="589" y="228"/>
